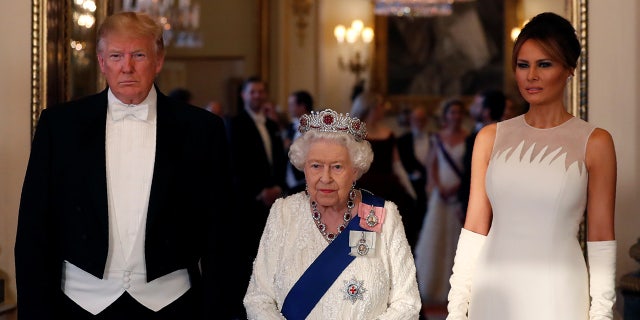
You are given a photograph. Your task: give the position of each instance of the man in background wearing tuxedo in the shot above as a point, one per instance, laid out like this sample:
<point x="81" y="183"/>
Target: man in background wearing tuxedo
<point x="300" y="102"/>
<point x="259" y="164"/>
<point x="487" y="107"/>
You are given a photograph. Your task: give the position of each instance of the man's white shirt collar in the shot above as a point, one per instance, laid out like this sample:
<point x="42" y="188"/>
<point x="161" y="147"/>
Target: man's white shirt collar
<point x="118" y="109"/>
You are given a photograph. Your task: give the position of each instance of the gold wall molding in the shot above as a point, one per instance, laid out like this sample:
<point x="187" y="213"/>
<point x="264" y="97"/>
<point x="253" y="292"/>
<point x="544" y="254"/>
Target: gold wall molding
<point x="301" y="10"/>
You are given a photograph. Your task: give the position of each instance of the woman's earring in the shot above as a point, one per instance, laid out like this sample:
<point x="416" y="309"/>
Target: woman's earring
<point x="352" y="196"/>
<point x="352" y="192"/>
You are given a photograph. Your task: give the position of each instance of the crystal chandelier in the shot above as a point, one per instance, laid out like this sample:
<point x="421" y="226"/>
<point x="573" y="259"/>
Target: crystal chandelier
<point x="179" y="18"/>
<point x="415" y="8"/>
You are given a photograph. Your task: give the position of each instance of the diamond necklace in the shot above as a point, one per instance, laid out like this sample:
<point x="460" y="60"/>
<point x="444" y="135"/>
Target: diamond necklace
<point x="329" y="236"/>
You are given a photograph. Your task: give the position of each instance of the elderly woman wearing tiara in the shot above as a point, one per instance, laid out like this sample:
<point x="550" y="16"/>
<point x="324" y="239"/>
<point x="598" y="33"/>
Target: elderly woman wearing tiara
<point x="333" y="251"/>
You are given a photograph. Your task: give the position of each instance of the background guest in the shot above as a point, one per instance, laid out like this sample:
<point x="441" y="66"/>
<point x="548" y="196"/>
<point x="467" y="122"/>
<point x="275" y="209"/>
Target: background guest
<point x="441" y="226"/>
<point x="181" y="94"/>
<point x="512" y="108"/>
<point x="488" y="107"/>
<point x="259" y="165"/>
<point x="300" y="102"/>
<point x="386" y="177"/>
<point x="215" y="107"/>
<point x="413" y="148"/>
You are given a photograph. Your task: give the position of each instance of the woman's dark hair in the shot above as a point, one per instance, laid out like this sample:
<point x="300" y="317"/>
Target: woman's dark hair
<point x="448" y="104"/>
<point x="555" y="34"/>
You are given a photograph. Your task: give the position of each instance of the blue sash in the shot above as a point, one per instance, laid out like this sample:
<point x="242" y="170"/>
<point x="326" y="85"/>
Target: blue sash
<point x="324" y="271"/>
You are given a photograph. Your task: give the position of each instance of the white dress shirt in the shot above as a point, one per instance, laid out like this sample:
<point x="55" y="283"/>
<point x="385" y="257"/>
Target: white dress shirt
<point x="261" y="123"/>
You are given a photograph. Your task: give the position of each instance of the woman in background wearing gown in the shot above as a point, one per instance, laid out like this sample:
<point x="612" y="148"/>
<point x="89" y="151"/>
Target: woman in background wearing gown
<point x="532" y="177"/>
<point x="438" y="236"/>
<point x="387" y="177"/>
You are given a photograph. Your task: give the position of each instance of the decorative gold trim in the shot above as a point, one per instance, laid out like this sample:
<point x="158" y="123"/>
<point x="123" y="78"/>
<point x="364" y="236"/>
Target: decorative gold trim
<point x="50" y="53"/>
<point x="38" y="60"/>
<point x="578" y="97"/>
<point x="578" y="86"/>
<point x="379" y="79"/>
<point x="301" y="9"/>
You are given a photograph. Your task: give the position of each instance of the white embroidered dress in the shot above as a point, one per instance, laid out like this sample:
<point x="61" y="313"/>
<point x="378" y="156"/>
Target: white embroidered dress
<point x="291" y="242"/>
<point x="531" y="266"/>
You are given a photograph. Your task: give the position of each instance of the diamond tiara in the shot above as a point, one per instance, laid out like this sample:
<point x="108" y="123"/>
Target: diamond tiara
<point x="331" y="121"/>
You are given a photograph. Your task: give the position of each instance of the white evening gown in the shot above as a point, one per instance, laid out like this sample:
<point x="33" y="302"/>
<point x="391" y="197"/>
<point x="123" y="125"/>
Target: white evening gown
<point x="438" y="237"/>
<point x="531" y="266"/>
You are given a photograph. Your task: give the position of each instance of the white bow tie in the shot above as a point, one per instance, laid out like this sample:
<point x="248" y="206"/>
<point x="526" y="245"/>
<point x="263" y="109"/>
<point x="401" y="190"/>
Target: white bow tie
<point x="120" y="110"/>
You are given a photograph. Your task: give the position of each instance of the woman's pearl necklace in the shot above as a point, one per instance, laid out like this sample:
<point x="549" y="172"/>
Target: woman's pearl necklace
<point x="329" y="236"/>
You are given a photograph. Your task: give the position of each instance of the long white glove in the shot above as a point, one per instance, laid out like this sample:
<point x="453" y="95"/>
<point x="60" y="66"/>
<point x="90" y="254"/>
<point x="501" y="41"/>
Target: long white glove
<point x="602" y="274"/>
<point x="469" y="246"/>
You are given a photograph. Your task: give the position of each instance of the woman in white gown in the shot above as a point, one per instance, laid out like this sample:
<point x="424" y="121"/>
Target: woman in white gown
<point x="438" y="236"/>
<point x="532" y="177"/>
<point x="333" y="251"/>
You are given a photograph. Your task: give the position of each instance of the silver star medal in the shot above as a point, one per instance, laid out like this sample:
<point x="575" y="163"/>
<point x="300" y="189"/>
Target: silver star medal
<point x="353" y="290"/>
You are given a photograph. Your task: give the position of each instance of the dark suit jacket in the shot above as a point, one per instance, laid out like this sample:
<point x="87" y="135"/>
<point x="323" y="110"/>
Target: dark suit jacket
<point x="63" y="209"/>
<point x="408" y="155"/>
<point x="411" y="164"/>
<point x="251" y="173"/>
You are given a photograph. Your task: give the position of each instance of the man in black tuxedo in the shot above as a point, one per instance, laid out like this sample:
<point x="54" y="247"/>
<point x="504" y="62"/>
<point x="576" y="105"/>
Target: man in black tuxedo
<point x="124" y="196"/>
<point x="259" y="163"/>
<point x="413" y="147"/>
<point x="300" y="102"/>
<point x="487" y="107"/>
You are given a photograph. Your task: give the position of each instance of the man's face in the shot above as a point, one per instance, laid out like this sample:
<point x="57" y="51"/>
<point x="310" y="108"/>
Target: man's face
<point x="418" y="119"/>
<point x="254" y="96"/>
<point x="296" y="110"/>
<point x="292" y="105"/>
<point x="129" y="66"/>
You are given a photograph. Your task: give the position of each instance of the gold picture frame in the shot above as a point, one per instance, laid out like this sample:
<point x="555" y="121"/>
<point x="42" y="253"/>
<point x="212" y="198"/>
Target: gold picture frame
<point x="54" y="64"/>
